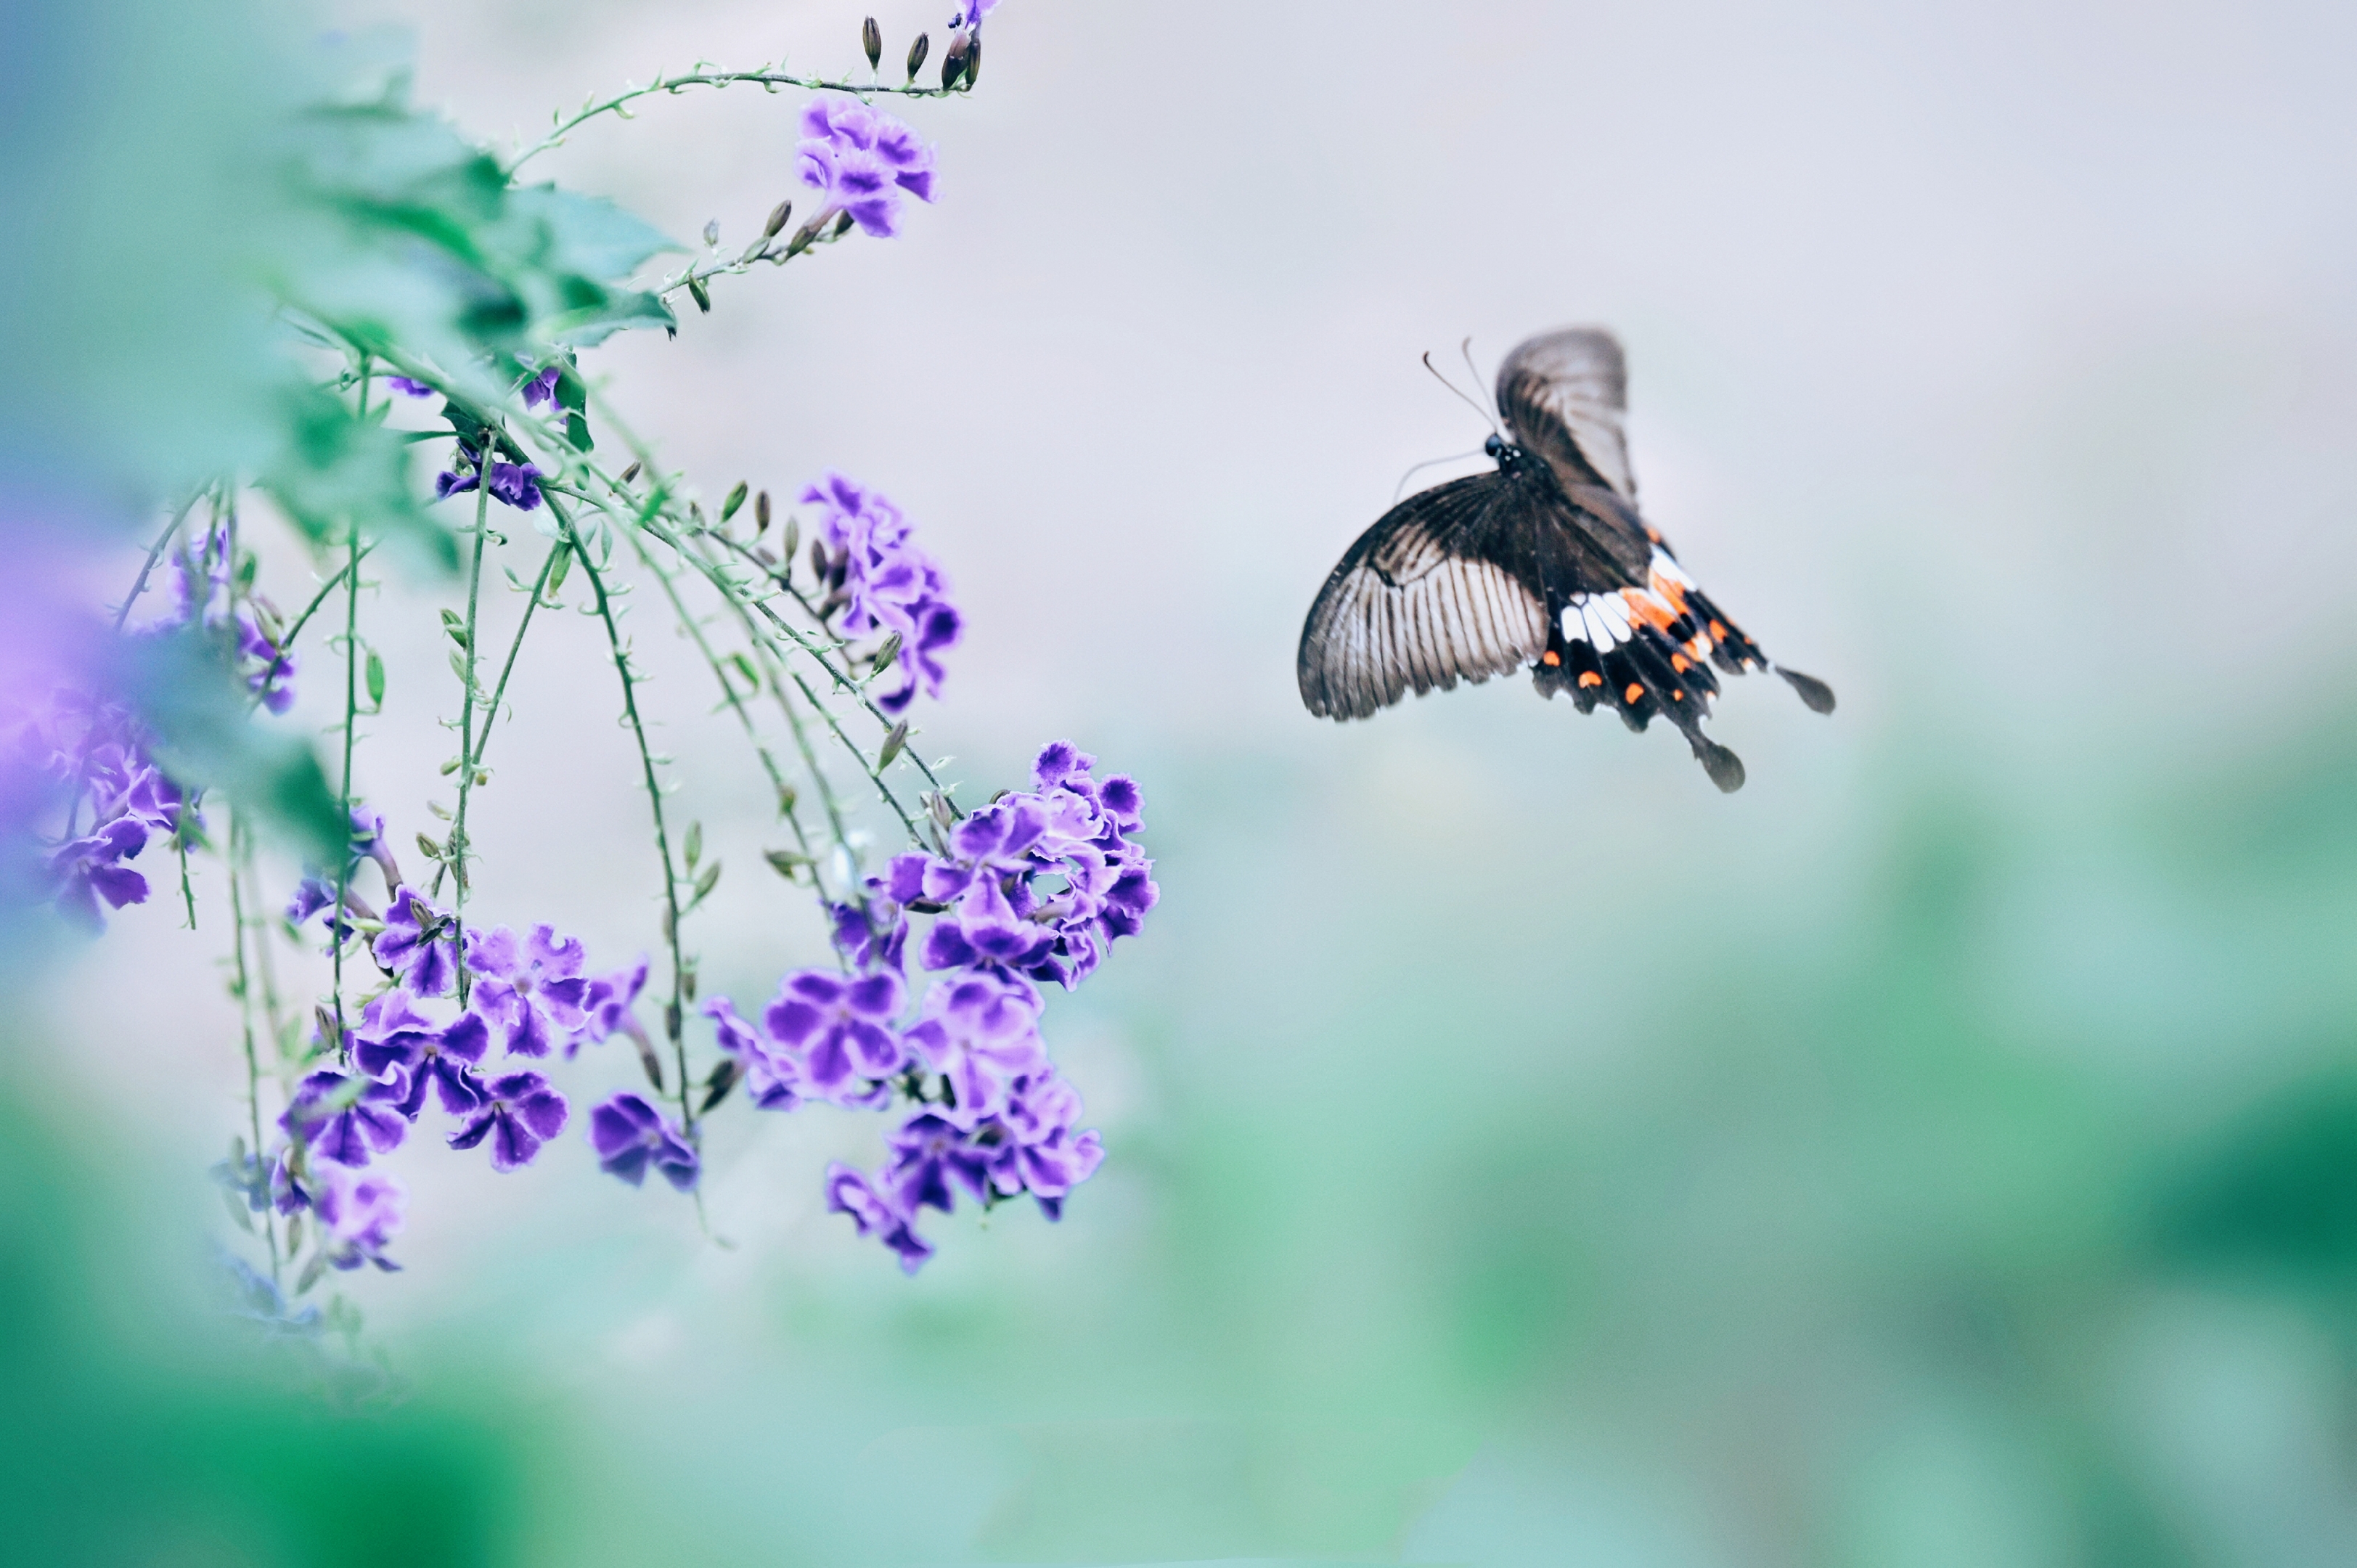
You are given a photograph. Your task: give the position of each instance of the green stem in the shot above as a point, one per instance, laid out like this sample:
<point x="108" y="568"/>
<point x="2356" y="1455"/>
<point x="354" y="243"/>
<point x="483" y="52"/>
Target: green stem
<point x="507" y="667"/>
<point x="339" y="932"/>
<point x="155" y="553"/>
<point x="456" y="847"/>
<point x="295" y="630"/>
<point x="672" y="1010"/>
<point x="241" y="848"/>
<point x="728" y="692"/>
<point x="771" y="80"/>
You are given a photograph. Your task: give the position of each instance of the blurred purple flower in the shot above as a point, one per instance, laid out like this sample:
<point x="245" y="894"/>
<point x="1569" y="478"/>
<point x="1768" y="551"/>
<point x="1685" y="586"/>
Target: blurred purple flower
<point x="836" y="1028"/>
<point x="540" y="389"/>
<point x="891" y="585"/>
<point x="862" y="159"/>
<point x="357" y="1218"/>
<point x="772" y="1078"/>
<point x="88" y="869"/>
<point x="850" y="1192"/>
<point x="410" y="947"/>
<point x="519" y="1113"/>
<point x="531" y="989"/>
<point x="345" y="1118"/>
<point x="630" y="1134"/>
<point x="516" y="484"/>
<point x="270" y="672"/>
<point x="605" y="1006"/>
<point x="980" y="1031"/>
<point x="408" y="388"/>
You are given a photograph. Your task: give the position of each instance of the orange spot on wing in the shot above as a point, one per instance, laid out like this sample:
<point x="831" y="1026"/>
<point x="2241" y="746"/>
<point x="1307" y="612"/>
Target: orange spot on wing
<point x="1634" y="691"/>
<point x="1550" y="657"/>
<point x="1645" y="607"/>
<point x="1677" y="696"/>
<point x="1718" y="630"/>
<point x="1678" y="661"/>
<point x="1591" y="678"/>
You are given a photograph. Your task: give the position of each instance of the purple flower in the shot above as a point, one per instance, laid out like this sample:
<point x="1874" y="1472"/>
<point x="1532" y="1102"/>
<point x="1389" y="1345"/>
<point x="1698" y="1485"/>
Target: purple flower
<point x="518" y="484"/>
<point x="1048" y="1154"/>
<point x="972" y="11"/>
<point x="290" y="1182"/>
<point x="540" y="389"/>
<point x="857" y="936"/>
<point x="393" y="1038"/>
<point x="1031" y="1144"/>
<point x="980" y="1031"/>
<point x="1040" y="883"/>
<point x="345" y="1118"/>
<point x="772" y="1077"/>
<point x="889" y="584"/>
<point x="862" y="159"/>
<point x="519" y="1113"/>
<point x="605" y="1006"/>
<point x="849" y="1192"/>
<point x="88" y="869"/>
<point x="410" y="947"/>
<point x="358" y="1216"/>
<point x="837" y="1028"/>
<point x="533" y="990"/>
<point x="408" y="388"/>
<point x="274" y="680"/>
<point x="631" y="1134"/>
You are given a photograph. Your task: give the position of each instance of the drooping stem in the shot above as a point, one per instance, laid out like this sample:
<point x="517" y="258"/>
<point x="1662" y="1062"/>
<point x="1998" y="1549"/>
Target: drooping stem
<point x="507" y="668"/>
<point x="241" y="849"/>
<point x="155" y="553"/>
<point x="456" y="849"/>
<point x="339" y="932"/>
<point x="771" y="80"/>
<point x="728" y="692"/>
<point x="672" y="1010"/>
<point x="294" y="628"/>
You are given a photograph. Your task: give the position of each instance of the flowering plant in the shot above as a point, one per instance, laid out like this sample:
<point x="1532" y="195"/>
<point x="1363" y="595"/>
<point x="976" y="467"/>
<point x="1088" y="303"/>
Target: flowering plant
<point x="458" y="312"/>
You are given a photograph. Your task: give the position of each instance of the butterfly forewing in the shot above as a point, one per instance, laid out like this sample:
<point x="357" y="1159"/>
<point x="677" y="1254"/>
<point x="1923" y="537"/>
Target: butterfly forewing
<point x="1565" y="395"/>
<point x="1442" y="588"/>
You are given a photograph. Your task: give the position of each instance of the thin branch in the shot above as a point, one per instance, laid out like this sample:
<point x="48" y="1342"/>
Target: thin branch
<point x="764" y="77"/>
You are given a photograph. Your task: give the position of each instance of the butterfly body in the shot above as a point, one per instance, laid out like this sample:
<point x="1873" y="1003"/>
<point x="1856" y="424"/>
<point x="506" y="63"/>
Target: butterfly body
<point x="1544" y="564"/>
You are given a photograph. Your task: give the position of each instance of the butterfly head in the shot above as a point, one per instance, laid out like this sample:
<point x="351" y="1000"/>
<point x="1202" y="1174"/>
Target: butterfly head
<point x="1506" y="453"/>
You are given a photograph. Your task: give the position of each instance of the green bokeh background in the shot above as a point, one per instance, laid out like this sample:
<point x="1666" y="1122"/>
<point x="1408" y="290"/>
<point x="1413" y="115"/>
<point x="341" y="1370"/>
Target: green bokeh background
<point x="1944" y="1151"/>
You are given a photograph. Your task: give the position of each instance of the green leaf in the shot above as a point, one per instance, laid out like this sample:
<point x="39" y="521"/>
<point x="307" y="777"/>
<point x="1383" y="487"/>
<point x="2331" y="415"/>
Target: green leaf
<point x="331" y="474"/>
<point x="375" y="678"/>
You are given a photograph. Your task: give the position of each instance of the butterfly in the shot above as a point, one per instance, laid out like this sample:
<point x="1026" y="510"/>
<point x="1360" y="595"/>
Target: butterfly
<point x="1542" y="564"/>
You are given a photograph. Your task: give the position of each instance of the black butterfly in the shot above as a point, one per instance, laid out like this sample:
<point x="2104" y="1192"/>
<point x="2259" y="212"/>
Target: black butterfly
<point x="1544" y="564"/>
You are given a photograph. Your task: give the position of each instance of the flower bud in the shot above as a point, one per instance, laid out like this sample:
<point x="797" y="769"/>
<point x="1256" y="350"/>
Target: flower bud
<point x="786" y="799"/>
<point x="629" y="474"/>
<point x="651" y="1062"/>
<point x="789" y="542"/>
<point x="818" y="560"/>
<point x="698" y="293"/>
<point x="893" y="744"/>
<point x="973" y="59"/>
<point x="778" y="216"/>
<point x="671" y="1020"/>
<point x="716" y="1087"/>
<point x="736" y="498"/>
<point x="786" y="862"/>
<point x="871" y="38"/>
<point x="917" y="54"/>
<point x="842" y="226"/>
<point x="887" y="654"/>
<point x="711" y="230"/>
<point x="762" y="514"/>
<point x="428" y="848"/>
<point x="953" y="62"/>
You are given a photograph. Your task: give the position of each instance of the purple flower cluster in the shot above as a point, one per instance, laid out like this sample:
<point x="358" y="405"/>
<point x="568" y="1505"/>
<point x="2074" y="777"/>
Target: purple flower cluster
<point x="888" y="583"/>
<point x="1034" y="886"/>
<point x="515" y="484"/>
<point x="203" y="595"/>
<point x="95" y="753"/>
<point x="529" y="996"/>
<point x="862" y="160"/>
<point x="1039" y="882"/>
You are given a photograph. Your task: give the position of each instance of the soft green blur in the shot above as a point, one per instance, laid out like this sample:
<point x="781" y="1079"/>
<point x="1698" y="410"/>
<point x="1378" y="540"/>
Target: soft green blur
<point x="1944" y="1151"/>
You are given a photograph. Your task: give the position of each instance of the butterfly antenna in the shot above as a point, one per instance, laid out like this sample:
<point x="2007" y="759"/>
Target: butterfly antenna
<point x="1444" y="380"/>
<point x="1427" y="463"/>
<point x="1466" y="349"/>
